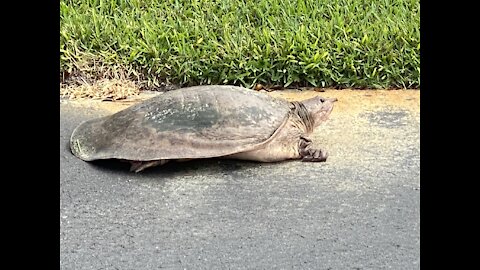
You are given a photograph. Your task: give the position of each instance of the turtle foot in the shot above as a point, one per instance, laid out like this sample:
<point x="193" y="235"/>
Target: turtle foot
<point x="310" y="154"/>
<point x="138" y="166"/>
<point x="316" y="155"/>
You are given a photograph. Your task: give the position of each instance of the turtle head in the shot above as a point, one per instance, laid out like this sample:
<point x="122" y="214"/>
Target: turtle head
<point x="319" y="108"/>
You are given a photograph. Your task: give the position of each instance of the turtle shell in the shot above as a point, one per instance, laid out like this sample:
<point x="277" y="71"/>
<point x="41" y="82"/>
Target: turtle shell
<point x="193" y="122"/>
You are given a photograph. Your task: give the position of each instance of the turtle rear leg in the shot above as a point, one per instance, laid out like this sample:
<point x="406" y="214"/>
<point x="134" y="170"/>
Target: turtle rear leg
<point x="138" y="166"/>
<point x="310" y="154"/>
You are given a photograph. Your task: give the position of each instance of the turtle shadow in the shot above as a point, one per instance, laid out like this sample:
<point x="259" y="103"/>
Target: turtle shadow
<point x="110" y="165"/>
<point x="196" y="166"/>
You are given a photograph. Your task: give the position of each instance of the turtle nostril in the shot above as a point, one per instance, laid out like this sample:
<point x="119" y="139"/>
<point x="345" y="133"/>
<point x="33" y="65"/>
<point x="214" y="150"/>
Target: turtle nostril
<point x="322" y="100"/>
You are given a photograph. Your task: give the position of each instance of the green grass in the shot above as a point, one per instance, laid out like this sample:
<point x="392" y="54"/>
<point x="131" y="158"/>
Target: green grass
<point x="329" y="43"/>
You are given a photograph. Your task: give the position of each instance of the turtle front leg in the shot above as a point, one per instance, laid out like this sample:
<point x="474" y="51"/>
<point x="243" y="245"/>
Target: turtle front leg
<point x="308" y="153"/>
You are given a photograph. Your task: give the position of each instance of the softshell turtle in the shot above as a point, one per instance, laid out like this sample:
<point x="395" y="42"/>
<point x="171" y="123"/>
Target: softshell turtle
<point x="205" y="122"/>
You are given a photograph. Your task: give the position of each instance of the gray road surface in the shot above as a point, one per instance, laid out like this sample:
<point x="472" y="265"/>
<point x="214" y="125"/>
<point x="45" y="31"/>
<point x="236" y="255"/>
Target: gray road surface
<point x="359" y="210"/>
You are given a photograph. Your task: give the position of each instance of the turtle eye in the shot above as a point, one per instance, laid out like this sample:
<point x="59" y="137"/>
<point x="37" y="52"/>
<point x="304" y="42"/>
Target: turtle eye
<point x="322" y="100"/>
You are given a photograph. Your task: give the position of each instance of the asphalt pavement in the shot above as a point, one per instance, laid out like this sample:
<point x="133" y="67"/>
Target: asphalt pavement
<point x="358" y="210"/>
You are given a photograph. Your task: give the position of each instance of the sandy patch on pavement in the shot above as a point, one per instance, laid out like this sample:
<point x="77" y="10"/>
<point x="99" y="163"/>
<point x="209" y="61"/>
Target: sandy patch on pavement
<point x="349" y="101"/>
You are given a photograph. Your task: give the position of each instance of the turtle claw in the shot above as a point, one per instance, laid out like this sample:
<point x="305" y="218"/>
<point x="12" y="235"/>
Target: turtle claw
<point x="317" y="156"/>
<point x="310" y="154"/>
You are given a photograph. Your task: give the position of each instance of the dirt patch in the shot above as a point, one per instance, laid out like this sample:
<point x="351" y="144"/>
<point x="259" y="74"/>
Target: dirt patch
<point x="349" y="101"/>
<point x="126" y="93"/>
<point x="355" y="101"/>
